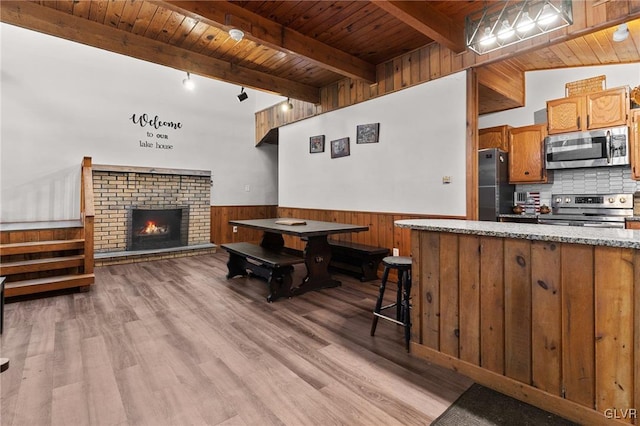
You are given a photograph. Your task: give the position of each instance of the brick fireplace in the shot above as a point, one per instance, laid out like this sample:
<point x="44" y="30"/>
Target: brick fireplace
<point x="144" y="213"/>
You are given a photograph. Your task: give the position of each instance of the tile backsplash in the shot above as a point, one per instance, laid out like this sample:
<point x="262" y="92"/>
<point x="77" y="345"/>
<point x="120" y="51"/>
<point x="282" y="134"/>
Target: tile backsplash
<point x="596" y="180"/>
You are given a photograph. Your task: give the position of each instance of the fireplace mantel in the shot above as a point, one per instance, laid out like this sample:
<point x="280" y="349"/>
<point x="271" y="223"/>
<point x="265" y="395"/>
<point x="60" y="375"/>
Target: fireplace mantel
<point x="150" y="170"/>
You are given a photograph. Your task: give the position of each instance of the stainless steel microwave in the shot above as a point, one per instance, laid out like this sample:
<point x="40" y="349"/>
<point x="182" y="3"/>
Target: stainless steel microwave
<point x="595" y="148"/>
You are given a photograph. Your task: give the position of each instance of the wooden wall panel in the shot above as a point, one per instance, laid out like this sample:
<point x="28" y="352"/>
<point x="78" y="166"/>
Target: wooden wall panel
<point x="469" y="283"/>
<point x="222" y="232"/>
<point x="546" y="317"/>
<point x="430" y="289"/>
<point x="614" y="327"/>
<point x="492" y="307"/>
<point x="517" y="305"/>
<point x="578" y="356"/>
<point x="449" y="270"/>
<point x="416" y="290"/>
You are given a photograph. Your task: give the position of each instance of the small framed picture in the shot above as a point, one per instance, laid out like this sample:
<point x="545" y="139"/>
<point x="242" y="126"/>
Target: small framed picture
<point x="368" y="133"/>
<point x="340" y="148"/>
<point x="316" y="144"/>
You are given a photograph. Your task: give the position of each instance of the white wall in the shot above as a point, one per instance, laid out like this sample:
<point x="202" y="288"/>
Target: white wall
<point x="61" y="101"/>
<point x="422" y="139"/>
<point x="542" y="86"/>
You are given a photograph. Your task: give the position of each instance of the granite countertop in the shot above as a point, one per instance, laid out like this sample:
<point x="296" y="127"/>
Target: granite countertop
<point x="624" y="238"/>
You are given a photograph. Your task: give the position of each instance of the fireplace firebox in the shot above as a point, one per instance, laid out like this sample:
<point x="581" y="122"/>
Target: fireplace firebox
<point x="153" y="228"/>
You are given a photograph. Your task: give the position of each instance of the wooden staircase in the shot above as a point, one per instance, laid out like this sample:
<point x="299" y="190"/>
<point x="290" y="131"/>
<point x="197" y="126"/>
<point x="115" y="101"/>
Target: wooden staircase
<point x="44" y="259"/>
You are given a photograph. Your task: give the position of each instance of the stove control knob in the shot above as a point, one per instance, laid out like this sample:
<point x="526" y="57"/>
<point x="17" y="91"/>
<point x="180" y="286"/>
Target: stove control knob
<point x="567" y="200"/>
<point x="623" y="200"/>
<point x="612" y="200"/>
<point x="558" y="200"/>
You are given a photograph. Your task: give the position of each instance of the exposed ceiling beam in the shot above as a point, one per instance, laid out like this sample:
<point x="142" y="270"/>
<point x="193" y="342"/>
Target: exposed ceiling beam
<point x="60" y="24"/>
<point x="225" y="15"/>
<point x="430" y="22"/>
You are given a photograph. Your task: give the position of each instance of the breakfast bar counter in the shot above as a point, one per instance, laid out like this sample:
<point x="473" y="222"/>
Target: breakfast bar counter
<point x="547" y="314"/>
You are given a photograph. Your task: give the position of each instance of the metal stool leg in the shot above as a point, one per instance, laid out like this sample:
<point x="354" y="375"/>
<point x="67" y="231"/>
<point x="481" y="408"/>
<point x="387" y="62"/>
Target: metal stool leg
<point x="399" y="296"/>
<point x="383" y="283"/>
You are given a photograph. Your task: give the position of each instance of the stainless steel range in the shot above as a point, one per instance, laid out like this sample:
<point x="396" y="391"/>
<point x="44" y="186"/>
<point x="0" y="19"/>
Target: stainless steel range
<point x="596" y="210"/>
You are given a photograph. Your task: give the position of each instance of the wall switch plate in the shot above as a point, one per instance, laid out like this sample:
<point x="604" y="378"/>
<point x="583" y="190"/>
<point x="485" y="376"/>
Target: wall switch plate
<point x="396" y="251"/>
<point x="235" y="229"/>
<point x="446" y="179"/>
<point x="247" y="187"/>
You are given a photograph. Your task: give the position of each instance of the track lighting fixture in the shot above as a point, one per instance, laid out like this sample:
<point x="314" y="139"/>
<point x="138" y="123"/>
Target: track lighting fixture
<point x="243" y="95"/>
<point x="188" y="83"/>
<point x="287" y="105"/>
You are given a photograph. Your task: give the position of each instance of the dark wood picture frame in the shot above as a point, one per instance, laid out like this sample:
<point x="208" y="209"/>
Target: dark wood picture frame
<point x="340" y="148"/>
<point x="316" y="144"/>
<point x="368" y="133"/>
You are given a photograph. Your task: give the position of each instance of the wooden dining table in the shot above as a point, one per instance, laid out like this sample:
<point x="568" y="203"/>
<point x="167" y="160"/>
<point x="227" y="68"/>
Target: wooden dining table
<point x="317" y="252"/>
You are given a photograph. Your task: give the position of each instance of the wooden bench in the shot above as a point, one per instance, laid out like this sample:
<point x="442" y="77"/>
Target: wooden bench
<point x="355" y="259"/>
<point x="274" y="266"/>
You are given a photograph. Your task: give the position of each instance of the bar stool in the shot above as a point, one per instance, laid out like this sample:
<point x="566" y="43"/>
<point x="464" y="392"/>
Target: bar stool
<point x="402" y="264"/>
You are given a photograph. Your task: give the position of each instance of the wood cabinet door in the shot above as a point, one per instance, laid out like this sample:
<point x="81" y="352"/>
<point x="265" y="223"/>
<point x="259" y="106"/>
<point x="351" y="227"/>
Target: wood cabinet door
<point x="565" y="114"/>
<point x="634" y="139"/>
<point x="526" y="154"/>
<point x="607" y="108"/>
<point x="494" y="137"/>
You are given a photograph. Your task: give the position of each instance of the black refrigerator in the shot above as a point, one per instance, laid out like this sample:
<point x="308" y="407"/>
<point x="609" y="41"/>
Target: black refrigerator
<point x="495" y="194"/>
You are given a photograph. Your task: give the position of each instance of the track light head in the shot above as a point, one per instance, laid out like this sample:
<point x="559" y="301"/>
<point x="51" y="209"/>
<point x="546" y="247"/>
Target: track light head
<point x="243" y="95"/>
<point x="188" y="83"/>
<point x="287" y="105"/>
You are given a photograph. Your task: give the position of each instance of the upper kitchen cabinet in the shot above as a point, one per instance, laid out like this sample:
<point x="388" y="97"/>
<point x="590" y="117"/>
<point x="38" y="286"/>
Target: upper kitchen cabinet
<point x="634" y="138"/>
<point x="494" y="137"/>
<point x="526" y="154"/>
<point x="595" y="110"/>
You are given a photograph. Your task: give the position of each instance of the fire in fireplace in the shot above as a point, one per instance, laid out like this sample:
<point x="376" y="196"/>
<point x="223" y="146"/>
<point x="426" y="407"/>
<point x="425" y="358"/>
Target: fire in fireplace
<point x="157" y="228"/>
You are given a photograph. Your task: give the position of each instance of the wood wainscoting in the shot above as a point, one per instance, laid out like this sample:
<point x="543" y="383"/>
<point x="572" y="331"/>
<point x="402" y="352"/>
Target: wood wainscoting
<point x="382" y="232"/>
<point x="222" y="232"/>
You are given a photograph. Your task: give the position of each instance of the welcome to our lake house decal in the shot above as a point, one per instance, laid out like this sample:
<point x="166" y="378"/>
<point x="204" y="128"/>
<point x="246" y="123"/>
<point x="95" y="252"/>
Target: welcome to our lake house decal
<point x="156" y="136"/>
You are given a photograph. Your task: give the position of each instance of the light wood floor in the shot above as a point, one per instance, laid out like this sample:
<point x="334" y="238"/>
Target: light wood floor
<point x="172" y="342"/>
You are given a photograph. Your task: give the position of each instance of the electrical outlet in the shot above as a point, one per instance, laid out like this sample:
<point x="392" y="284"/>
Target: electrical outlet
<point x="446" y="179"/>
<point x="247" y="187"/>
<point x="396" y="251"/>
<point x="235" y="229"/>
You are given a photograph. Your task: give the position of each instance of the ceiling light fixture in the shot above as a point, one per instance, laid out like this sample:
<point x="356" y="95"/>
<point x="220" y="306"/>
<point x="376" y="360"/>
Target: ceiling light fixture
<point x="188" y="83"/>
<point x="507" y="22"/>
<point x="621" y="34"/>
<point x="243" y="95"/>
<point x="236" y="34"/>
<point x="287" y="105"/>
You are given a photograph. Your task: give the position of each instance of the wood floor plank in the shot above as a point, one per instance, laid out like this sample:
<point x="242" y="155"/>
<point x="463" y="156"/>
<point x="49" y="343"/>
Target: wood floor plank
<point x="69" y="405"/>
<point x="174" y="342"/>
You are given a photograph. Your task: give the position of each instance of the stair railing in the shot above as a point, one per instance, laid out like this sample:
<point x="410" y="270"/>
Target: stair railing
<point x="87" y="212"/>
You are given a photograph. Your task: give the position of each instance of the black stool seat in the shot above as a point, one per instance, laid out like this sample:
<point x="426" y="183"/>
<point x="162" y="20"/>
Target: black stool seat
<point x="403" y="265"/>
<point x="398" y="262"/>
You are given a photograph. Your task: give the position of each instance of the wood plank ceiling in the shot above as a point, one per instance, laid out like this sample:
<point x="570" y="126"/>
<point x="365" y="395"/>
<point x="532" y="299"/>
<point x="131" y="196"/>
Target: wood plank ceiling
<point x="291" y="48"/>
